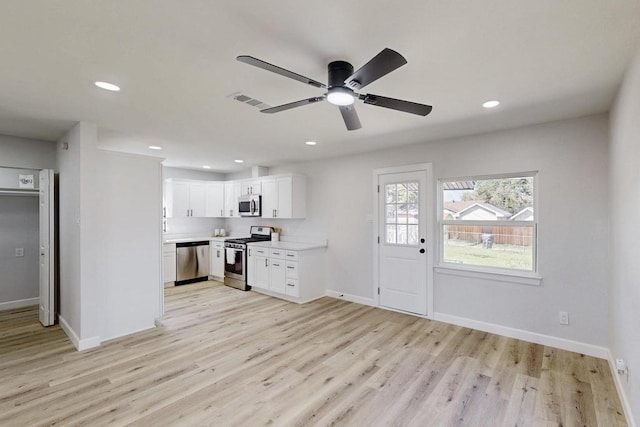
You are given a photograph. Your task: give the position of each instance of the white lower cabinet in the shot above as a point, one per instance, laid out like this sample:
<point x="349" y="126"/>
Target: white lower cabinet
<point x="169" y="263"/>
<point x="216" y="259"/>
<point x="293" y="275"/>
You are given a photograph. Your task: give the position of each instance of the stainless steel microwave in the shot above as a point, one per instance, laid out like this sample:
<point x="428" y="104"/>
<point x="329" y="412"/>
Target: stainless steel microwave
<point x="250" y="205"/>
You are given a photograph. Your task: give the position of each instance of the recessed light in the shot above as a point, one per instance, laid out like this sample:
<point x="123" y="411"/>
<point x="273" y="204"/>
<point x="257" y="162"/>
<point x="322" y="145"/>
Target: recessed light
<point x="239" y="161"/>
<point x="491" y="104"/>
<point x="206" y="167"/>
<point x="311" y="143"/>
<point x="154" y="147"/>
<point x="107" y="86"/>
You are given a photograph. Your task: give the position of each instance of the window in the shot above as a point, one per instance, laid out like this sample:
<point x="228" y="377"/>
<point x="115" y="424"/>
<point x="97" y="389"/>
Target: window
<point x="489" y="224"/>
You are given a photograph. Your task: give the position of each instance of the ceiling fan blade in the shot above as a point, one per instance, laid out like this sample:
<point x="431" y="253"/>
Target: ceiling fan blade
<point x="380" y="65"/>
<point x="278" y="70"/>
<point x="397" y="104"/>
<point x="291" y="105"/>
<point x="350" y="117"/>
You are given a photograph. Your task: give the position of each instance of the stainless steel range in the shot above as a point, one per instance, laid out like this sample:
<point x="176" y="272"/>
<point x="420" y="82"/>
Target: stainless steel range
<point x="235" y="265"/>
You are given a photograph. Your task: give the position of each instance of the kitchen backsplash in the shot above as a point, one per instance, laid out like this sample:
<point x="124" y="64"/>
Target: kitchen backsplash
<point x="192" y="226"/>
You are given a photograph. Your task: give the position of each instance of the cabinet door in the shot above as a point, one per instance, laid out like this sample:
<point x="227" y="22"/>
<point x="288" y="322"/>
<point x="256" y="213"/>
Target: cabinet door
<point x="197" y="198"/>
<point x="180" y="206"/>
<point x="231" y="194"/>
<point x="251" y="187"/>
<point x="261" y="272"/>
<point x="278" y="276"/>
<point x="214" y="200"/>
<point x="269" y="198"/>
<point x="285" y="188"/>
<point x="216" y="256"/>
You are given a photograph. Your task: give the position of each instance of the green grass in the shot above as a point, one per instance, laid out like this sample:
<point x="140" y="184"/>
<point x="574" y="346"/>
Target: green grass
<point x="501" y="256"/>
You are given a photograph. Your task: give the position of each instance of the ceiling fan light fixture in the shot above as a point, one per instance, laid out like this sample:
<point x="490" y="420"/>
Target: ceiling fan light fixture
<point x="340" y="96"/>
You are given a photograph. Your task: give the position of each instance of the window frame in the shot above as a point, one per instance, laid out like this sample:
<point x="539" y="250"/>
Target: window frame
<point x="484" y="270"/>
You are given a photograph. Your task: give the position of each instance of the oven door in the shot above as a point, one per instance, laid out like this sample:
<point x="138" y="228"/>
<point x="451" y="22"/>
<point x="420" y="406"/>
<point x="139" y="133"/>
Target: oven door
<point x="235" y="264"/>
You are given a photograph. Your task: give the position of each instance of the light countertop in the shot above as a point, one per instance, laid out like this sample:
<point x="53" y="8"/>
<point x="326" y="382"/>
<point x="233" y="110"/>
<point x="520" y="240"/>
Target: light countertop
<point x="289" y="246"/>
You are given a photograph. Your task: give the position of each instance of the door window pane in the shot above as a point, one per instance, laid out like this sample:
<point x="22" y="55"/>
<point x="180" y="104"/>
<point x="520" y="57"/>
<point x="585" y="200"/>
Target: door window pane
<point x="391" y="233"/>
<point x="402" y="213"/>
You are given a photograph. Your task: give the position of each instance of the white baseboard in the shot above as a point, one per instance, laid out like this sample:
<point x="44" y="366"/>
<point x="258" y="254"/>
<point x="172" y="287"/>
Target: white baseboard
<point x="352" y="298"/>
<point x="622" y="391"/>
<point x="19" y="303"/>
<point x="79" y="344"/>
<point x="564" y="344"/>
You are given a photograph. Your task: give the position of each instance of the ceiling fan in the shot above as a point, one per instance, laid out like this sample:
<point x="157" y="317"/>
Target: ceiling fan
<point x="343" y="83"/>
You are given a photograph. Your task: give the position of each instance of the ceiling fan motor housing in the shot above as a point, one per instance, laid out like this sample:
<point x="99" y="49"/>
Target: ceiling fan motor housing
<point x="339" y="71"/>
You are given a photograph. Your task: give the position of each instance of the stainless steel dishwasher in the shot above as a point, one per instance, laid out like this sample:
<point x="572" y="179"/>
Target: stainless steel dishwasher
<point x="192" y="262"/>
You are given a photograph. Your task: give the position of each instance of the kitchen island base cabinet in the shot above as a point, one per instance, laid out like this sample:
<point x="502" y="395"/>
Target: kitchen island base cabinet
<point x="216" y="259"/>
<point x="169" y="264"/>
<point x="296" y="276"/>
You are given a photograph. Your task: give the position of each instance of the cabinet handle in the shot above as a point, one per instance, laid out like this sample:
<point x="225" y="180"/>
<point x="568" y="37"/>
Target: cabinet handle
<point x="218" y="253"/>
<point x="290" y="268"/>
<point x="221" y="212"/>
<point x="164" y="212"/>
<point x="249" y="252"/>
<point x="276" y="212"/>
<point x="290" y="255"/>
<point x="289" y="284"/>
<point x="276" y="265"/>
<point x="266" y="262"/>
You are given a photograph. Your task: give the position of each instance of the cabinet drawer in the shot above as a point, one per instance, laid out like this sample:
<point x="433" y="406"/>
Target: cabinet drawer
<point x="277" y="253"/>
<point x="259" y="252"/>
<point x="292" y="270"/>
<point x="292" y="288"/>
<point x="292" y="255"/>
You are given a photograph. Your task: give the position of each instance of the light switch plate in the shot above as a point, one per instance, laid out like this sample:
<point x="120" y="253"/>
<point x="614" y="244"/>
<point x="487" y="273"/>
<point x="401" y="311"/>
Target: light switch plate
<point x="19" y="252"/>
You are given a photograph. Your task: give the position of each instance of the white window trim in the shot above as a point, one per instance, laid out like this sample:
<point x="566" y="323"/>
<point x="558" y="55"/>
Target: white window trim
<point x="525" y="277"/>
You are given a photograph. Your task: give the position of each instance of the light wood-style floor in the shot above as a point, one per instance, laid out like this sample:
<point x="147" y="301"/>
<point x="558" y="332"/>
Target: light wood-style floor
<point x="226" y="357"/>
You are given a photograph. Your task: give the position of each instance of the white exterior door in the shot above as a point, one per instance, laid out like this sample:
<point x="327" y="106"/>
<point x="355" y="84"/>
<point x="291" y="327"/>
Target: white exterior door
<point x="47" y="310"/>
<point x="402" y="222"/>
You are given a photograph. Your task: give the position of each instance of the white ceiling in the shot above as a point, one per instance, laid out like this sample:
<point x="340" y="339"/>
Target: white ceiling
<point x="175" y="61"/>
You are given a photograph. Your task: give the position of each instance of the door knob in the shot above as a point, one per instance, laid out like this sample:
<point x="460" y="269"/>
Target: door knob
<point x="422" y="240"/>
<point x="421" y="251"/>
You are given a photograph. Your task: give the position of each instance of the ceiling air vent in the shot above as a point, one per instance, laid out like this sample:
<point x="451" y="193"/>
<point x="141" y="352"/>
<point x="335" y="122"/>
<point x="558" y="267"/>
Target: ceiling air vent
<point x="245" y="99"/>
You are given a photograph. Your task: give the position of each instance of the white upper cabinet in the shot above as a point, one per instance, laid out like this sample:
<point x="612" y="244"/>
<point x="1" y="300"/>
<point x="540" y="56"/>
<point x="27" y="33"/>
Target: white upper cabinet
<point x="214" y="199"/>
<point x="231" y="193"/>
<point x="284" y="197"/>
<point x="185" y="198"/>
<point x="251" y="187"/>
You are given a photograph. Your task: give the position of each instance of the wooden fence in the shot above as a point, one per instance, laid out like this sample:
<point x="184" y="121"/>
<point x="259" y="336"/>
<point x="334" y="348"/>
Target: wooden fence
<point x="520" y="236"/>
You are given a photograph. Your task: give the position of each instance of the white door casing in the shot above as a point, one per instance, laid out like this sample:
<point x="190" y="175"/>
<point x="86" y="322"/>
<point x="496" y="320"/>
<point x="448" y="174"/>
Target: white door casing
<point x="403" y="255"/>
<point x="47" y="248"/>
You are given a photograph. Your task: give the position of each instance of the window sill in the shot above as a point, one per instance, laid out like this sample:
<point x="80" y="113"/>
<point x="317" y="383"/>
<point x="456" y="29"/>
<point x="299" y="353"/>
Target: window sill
<point x="517" y="278"/>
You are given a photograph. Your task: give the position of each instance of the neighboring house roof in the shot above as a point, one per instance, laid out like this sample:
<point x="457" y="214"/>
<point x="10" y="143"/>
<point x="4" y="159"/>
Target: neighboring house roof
<point x="526" y="212"/>
<point x="460" y="207"/>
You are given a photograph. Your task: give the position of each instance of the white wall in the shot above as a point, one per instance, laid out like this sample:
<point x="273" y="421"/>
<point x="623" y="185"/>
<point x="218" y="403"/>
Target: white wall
<point x="571" y="157"/>
<point x="625" y="233"/>
<point x="130" y="242"/>
<point x="68" y="166"/>
<point x="27" y="153"/>
<point x="18" y="229"/>
<point x="110" y="240"/>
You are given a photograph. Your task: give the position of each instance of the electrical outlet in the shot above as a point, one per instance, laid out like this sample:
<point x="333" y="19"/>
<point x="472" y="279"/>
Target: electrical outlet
<point x="621" y="366"/>
<point x="19" y="252"/>
<point x="564" y="318"/>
